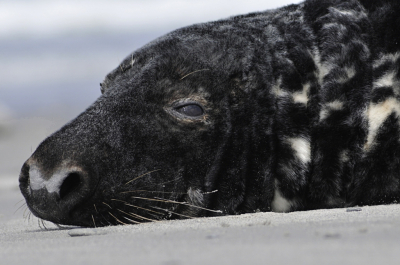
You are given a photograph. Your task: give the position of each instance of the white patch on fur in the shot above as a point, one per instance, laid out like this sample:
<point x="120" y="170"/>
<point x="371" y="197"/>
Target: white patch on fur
<point x="273" y="33"/>
<point x="277" y="90"/>
<point x="323" y="114"/>
<point x="53" y="184"/>
<point x="383" y="58"/>
<point x="133" y="61"/>
<point x="343" y="12"/>
<point x="377" y="114"/>
<point x="386" y="80"/>
<point x="322" y="69"/>
<point x="302" y="147"/>
<point x="331" y="106"/>
<point x="35" y="178"/>
<point x="279" y="203"/>
<point x="302" y="97"/>
<point x="37" y="181"/>
<point x="195" y="197"/>
<point x="349" y="13"/>
<point x="344" y="156"/>
<point x="349" y="73"/>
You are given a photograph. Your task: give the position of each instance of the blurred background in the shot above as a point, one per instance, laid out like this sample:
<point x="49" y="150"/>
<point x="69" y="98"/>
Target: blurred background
<point x="54" y="54"/>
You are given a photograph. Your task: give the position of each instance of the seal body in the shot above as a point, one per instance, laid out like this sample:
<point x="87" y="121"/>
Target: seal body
<point x="289" y="109"/>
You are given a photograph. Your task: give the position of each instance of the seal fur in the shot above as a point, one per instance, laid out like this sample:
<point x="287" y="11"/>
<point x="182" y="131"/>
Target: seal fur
<point x="296" y="109"/>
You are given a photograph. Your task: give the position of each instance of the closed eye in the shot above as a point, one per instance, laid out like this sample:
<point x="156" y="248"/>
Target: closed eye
<point x="190" y="110"/>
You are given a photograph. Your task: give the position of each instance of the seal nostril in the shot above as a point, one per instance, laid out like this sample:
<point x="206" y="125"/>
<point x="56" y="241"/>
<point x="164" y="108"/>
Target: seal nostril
<point x="71" y="183"/>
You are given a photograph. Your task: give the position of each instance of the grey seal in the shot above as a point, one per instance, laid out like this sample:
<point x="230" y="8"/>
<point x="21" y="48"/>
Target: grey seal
<point x="290" y="109"/>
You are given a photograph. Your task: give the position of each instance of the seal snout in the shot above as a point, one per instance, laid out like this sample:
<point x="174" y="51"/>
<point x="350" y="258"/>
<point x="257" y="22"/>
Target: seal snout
<point x="54" y="194"/>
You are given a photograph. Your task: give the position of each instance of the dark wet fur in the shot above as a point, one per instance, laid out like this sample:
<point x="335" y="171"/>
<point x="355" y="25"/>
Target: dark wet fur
<point x="288" y="96"/>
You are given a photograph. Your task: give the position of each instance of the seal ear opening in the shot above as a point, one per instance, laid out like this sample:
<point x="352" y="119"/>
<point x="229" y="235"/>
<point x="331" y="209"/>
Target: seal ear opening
<point x="103" y="86"/>
<point x="102" y="89"/>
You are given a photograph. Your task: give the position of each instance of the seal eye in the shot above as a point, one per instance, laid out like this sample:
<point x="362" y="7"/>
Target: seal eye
<point x="191" y="110"/>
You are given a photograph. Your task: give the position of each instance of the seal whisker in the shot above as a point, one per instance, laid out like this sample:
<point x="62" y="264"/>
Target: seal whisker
<point x="41" y="221"/>
<point x="128" y="204"/>
<point x="159" y="184"/>
<point x="130" y="220"/>
<point x="191" y="205"/>
<point x="41" y="224"/>
<point x="117" y="219"/>
<point x="171" y="212"/>
<point x="29" y="216"/>
<point x="167" y="181"/>
<point x="142" y="176"/>
<point x="107" y="205"/>
<point x="210" y="192"/>
<point x="25" y="214"/>
<point x="162" y="183"/>
<point x="193" y="73"/>
<point x="24" y="202"/>
<point x="95" y="208"/>
<point x="170" y="201"/>
<point x="154" y="191"/>
<point x="127" y="216"/>
<point x="60" y="226"/>
<point x="142" y="217"/>
<point x="19" y="208"/>
<point x="94" y="223"/>
<point x="107" y="222"/>
<point x="137" y="216"/>
<point x="105" y="219"/>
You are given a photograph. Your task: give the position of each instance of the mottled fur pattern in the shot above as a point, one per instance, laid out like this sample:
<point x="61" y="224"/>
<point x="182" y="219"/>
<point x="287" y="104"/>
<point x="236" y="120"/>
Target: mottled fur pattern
<point x="301" y="111"/>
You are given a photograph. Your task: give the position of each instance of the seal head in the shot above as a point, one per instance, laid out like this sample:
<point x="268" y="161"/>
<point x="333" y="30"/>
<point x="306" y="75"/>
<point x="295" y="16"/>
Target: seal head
<point x="170" y="137"/>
